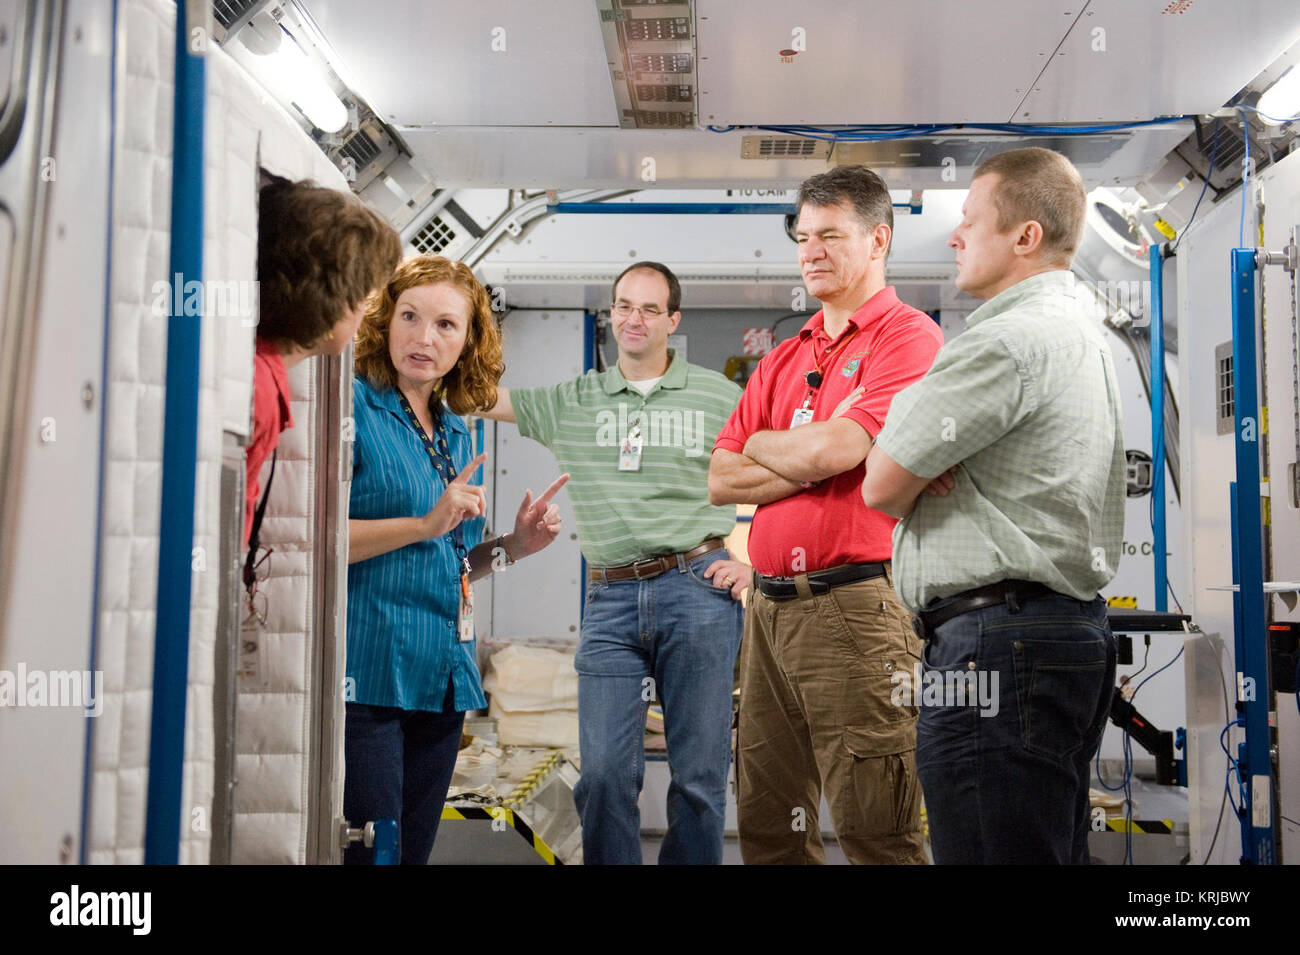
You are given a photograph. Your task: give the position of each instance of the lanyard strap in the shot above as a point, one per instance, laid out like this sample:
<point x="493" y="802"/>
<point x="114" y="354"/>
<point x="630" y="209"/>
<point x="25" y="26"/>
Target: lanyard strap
<point x="250" y="560"/>
<point x="814" y="378"/>
<point x="440" y="456"/>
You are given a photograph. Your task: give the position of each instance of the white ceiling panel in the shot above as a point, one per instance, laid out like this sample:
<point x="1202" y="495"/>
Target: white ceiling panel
<point x="1139" y="59"/>
<point x="873" y="61"/>
<point x="617" y="158"/>
<point x="422" y="63"/>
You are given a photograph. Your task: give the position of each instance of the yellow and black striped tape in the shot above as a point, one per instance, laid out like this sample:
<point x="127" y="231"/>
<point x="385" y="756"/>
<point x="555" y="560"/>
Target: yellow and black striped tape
<point x="513" y="821"/>
<point x="1151" y="826"/>
<point x="532" y="780"/>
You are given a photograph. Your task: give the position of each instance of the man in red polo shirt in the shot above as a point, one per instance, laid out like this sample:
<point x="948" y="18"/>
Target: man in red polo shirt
<point x="827" y="643"/>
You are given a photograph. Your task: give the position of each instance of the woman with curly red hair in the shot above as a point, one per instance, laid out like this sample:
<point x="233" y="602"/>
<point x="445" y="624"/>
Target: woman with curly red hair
<point x="428" y="351"/>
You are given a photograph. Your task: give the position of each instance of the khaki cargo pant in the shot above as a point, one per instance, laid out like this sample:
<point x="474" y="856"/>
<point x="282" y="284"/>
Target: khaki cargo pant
<point x="817" y="675"/>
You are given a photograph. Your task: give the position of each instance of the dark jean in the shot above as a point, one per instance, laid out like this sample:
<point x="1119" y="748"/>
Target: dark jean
<point x="673" y="637"/>
<point x="1011" y="786"/>
<point x="398" y="766"/>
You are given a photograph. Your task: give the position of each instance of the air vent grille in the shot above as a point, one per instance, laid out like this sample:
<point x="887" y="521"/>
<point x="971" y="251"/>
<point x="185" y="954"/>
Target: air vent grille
<point x="227" y="12"/>
<point x="361" y="149"/>
<point x="787" y="147"/>
<point x="1225" y="402"/>
<point x="783" y="147"/>
<point x="435" y="236"/>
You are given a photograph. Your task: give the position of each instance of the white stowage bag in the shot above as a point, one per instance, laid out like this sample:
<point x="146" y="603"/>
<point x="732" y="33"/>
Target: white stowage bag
<point x="552" y="728"/>
<point x="532" y="678"/>
<point x="534" y="696"/>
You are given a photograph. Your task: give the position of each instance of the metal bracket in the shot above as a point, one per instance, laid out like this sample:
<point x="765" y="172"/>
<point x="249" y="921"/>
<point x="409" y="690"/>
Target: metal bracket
<point x="1288" y="258"/>
<point x="364" y="835"/>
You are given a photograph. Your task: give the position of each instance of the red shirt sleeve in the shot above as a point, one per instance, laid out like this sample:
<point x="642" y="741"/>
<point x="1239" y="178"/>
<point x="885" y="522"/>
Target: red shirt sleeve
<point x="752" y="412"/>
<point x="903" y="355"/>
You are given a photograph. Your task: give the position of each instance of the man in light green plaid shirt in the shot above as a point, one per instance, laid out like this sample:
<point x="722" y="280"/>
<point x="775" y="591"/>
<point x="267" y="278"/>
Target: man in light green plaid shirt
<point x="1016" y="434"/>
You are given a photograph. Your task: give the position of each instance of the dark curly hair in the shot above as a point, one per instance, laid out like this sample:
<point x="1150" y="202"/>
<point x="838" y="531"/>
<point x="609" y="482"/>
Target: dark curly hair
<point x="471" y="385"/>
<point x="320" y="252"/>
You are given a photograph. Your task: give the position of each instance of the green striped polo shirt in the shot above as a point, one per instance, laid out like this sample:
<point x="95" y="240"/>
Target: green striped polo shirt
<point x="663" y="508"/>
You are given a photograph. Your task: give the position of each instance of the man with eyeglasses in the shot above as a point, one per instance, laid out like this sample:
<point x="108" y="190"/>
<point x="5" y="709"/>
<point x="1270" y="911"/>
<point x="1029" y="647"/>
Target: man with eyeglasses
<point x="662" y="618"/>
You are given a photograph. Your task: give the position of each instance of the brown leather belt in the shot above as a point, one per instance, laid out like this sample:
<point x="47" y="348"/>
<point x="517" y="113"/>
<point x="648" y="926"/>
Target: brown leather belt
<point x="652" y="566"/>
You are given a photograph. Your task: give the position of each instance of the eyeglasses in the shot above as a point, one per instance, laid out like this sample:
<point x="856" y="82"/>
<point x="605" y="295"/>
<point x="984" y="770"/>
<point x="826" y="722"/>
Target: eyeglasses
<point x="624" y="310"/>
<point x="256" y="596"/>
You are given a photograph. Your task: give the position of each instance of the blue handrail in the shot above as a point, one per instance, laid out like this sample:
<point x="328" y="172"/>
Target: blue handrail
<point x="1159" y="548"/>
<point x="689" y="208"/>
<point x="180" y="452"/>
<point x="1251" y="635"/>
<point x="385" y="842"/>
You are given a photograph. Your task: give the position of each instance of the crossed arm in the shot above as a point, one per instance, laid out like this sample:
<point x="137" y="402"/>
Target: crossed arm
<point x="891" y="488"/>
<point x="777" y="464"/>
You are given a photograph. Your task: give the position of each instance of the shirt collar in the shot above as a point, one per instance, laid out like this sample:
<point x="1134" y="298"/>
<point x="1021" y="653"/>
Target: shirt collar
<point x="390" y="399"/>
<point x="675" y="377"/>
<point x="872" y="310"/>
<point x="1040" y="286"/>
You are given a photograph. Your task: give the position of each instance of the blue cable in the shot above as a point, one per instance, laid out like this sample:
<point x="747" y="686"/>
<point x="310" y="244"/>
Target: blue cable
<point x="1105" y="785"/>
<point x="1234" y="768"/>
<point x="883" y="132"/>
<point x="1157" y="673"/>
<point x="1127" y="787"/>
<point x="1227" y="777"/>
<point x="1127" y="784"/>
<point x="1276" y="119"/>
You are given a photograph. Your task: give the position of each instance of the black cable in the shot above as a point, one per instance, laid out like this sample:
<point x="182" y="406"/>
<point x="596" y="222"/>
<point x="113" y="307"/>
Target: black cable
<point x="1214" y="153"/>
<point x="786" y="318"/>
<point x="1223" y="803"/>
<point x="1146" y="658"/>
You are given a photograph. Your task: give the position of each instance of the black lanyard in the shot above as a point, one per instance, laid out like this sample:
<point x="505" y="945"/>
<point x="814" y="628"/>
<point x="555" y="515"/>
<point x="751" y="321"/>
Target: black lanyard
<point x="440" y="455"/>
<point x="250" y="561"/>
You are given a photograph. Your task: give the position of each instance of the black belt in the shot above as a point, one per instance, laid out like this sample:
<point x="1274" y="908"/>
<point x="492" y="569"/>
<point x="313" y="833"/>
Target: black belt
<point x="819" y="581"/>
<point x="1013" y="592"/>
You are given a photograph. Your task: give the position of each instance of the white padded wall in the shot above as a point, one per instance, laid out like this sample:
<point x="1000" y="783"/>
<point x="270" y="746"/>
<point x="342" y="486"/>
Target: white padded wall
<point x="274" y="716"/>
<point x="243" y="128"/>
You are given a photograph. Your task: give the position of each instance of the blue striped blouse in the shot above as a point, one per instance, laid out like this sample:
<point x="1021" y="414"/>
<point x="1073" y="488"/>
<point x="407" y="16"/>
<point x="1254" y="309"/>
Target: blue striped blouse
<point x="402" y="606"/>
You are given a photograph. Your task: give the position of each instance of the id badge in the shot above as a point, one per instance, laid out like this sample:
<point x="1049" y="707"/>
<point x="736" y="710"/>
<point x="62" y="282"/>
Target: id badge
<point x="252" y="672"/>
<point x="801" y="416"/>
<point x="629" y="452"/>
<point x="465" y="619"/>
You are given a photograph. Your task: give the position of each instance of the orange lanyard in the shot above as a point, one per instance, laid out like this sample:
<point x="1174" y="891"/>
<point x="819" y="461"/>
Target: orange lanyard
<point x="814" y="378"/>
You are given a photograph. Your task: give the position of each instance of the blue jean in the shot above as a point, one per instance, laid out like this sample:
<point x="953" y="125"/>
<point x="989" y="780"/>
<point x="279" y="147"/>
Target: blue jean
<point x="398" y="765"/>
<point x="1006" y="777"/>
<point x="673" y="637"/>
